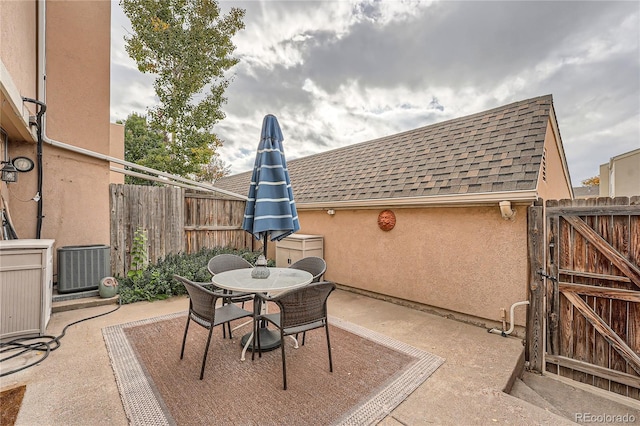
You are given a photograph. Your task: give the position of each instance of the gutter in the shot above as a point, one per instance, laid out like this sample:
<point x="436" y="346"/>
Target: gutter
<point x="457" y="200"/>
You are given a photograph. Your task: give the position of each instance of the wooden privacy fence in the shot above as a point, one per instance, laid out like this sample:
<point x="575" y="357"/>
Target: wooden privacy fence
<point x="211" y="221"/>
<point x="175" y="220"/>
<point x="592" y="293"/>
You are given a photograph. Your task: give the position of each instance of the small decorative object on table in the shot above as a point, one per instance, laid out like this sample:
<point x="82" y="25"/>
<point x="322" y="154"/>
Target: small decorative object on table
<point x="260" y="270"/>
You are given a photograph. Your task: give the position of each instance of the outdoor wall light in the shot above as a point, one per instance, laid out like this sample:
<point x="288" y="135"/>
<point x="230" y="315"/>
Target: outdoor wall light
<point x="9" y="172"/>
<point x="331" y="212"/>
<point x="506" y="211"/>
<point x="23" y="164"/>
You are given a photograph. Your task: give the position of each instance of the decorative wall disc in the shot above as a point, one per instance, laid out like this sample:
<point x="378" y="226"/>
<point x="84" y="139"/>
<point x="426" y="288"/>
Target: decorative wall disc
<point x="386" y="220"/>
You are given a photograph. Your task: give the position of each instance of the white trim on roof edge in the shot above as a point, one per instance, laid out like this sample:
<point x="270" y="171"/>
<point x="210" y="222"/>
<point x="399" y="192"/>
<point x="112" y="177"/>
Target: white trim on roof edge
<point x="437" y="200"/>
<point x="560" y="146"/>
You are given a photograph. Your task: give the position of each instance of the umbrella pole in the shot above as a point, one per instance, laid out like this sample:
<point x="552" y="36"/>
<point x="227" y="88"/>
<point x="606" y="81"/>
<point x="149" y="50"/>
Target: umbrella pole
<point x="264" y="245"/>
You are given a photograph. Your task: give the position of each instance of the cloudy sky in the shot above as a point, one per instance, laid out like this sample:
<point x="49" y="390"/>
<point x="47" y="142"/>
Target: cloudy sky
<point x="341" y="72"/>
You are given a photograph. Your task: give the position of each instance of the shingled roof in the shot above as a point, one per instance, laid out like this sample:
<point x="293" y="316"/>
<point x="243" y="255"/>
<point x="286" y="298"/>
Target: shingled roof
<point x="495" y="151"/>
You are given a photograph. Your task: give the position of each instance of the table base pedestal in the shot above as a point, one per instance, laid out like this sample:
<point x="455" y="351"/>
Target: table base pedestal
<point x="269" y="340"/>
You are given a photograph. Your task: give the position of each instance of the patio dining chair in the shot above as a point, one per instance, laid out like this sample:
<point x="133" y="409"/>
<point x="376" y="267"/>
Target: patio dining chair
<point x="228" y="262"/>
<point x="302" y="309"/>
<point x="203" y="311"/>
<point x="316" y="266"/>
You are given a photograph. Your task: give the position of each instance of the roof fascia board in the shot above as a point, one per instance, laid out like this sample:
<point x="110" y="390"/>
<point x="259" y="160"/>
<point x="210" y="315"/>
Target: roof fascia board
<point x="556" y="133"/>
<point x="624" y="155"/>
<point x="441" y="200"/>
<point x="11" y="93"/>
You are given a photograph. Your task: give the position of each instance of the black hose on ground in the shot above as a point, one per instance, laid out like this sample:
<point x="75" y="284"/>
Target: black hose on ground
<point x="22" y="346"/>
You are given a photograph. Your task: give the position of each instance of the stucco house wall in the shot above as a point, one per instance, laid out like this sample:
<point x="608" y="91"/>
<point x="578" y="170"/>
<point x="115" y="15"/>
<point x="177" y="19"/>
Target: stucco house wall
<point x="444" y="257"/>
<point x="75" y="189"/>
<point x="18" y="43"/>
<point x="554" y="182"/>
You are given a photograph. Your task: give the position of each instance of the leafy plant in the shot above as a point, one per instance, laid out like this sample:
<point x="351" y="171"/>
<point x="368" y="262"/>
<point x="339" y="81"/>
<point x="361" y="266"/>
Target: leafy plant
<point x="139" y="255"/>
<point x="156" y="282"/>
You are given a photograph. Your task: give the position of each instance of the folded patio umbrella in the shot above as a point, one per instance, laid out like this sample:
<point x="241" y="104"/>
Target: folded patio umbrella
<point x="271" y="209"/>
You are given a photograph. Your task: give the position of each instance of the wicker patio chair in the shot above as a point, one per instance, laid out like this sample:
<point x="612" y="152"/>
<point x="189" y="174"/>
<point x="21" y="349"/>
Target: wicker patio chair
<point x="316" y="266"/>
<point x="228" y="262"/>
<point x="302" y="309"/>
<point x="203" y="311"/>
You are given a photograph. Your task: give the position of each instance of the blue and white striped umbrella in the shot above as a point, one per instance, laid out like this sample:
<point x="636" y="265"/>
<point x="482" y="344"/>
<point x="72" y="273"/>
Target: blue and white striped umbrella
<point x="271" y="209"/>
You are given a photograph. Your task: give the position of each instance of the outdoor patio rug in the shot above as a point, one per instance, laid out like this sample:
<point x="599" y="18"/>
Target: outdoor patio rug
<point x="372" y="374"/>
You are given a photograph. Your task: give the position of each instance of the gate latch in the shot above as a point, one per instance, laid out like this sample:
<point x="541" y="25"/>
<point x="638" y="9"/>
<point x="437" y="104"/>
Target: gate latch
<point x="547" y="276"/>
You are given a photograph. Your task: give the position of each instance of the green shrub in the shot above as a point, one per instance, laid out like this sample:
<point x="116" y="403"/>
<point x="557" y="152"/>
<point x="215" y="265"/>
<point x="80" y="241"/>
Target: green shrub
<point x="156" y="281"/>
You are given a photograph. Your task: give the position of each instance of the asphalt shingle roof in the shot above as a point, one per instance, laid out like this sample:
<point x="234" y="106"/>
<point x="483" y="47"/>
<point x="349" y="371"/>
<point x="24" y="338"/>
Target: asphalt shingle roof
<point x="493" y="151"/>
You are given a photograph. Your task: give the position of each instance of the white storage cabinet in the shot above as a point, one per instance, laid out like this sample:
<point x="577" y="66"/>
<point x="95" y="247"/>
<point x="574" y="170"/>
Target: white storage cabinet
<point x="26" y="286"/>
<point x="297" y="246"/>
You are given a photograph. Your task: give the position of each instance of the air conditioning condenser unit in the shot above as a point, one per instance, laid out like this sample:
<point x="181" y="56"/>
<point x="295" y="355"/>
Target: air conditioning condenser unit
<point x="80" y="268"/>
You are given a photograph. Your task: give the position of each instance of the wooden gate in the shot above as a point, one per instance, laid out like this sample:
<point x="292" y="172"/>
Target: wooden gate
<point x="593" y="292"/>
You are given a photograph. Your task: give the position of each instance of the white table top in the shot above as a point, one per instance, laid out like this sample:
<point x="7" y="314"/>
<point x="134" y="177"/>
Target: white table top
<point x="279" y="279"/>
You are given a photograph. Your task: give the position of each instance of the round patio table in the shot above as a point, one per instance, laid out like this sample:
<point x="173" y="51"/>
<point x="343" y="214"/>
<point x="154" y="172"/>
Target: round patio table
<point x="279" y="280"/>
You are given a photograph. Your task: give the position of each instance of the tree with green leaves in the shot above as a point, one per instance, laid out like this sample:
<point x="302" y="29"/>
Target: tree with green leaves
<point x="146" y="146"/>
<point x="143" y="146"/>
<point x="187" y="45"/>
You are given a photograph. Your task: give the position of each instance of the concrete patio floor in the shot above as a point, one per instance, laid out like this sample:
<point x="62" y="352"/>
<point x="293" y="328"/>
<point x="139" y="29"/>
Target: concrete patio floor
<point x="75" y="385"/>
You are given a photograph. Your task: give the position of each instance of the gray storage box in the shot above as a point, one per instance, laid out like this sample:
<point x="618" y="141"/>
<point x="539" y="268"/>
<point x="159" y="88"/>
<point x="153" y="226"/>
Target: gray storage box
<point x="80" y="268"/>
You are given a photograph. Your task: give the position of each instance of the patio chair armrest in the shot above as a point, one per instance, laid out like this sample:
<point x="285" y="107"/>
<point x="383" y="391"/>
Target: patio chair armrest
<point x="264" y="297"/>
<point x="211" y="287"/>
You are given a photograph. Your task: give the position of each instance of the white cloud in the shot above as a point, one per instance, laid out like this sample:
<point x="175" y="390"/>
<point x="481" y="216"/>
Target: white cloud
<point x="342" y="72"/>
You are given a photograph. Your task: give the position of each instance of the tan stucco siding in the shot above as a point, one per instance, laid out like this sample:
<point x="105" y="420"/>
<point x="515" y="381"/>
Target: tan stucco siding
<point x="77" y="199"/>
<point x="78" y="72"/>
<point x="19" y="57"/>
<point x="77" y="186"/>
<point x="467" y="260"/>
<point x="553" y="184"/>
<point x="18" y="44"/>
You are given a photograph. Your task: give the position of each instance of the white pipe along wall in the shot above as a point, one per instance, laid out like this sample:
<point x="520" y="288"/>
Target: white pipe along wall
<point x="505" y="333"/>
